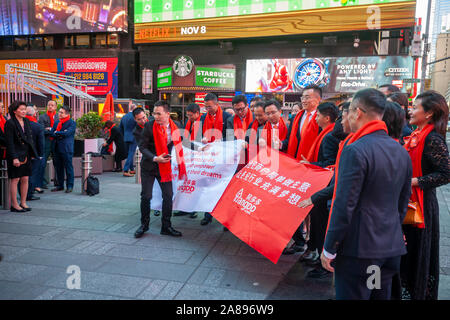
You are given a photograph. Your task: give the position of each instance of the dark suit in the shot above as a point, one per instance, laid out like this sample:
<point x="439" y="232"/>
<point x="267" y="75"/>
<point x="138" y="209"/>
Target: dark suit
<point x="327" y="151"/>
<point x="374" y="186"/>
<point x="225" y="116"/>
<point x="285" y="142"/>
<point x="49" y="144"/>
<point x="230" y="127"/>
<point x="36" y="164"/>
<point x="150" y="172"/>
<point x="64" y="141"/>
<point x="127" y="125"/>
<point x="121" y="149"/>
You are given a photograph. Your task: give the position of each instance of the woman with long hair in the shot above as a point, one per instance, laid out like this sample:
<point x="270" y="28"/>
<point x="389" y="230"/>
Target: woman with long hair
<point x="20" y="150"/>
<point x="431" y="168"/>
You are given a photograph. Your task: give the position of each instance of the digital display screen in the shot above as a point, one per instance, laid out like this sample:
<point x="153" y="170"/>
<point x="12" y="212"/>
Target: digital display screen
<point x="29" y="17"/>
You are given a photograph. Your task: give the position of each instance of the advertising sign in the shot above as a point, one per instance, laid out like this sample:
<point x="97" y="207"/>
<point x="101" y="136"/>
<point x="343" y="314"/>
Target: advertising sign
<point x="334" y="75"/>
<point x="27" y="17"/>
<point x="101" y="74"/>
<point x="215" y="77"/>
<point x="164" y="77"/>
<point x="187" y="20"/>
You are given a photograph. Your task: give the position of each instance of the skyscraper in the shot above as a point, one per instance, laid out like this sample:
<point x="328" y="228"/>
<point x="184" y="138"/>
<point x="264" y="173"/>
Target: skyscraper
<point x="440" y="21"/>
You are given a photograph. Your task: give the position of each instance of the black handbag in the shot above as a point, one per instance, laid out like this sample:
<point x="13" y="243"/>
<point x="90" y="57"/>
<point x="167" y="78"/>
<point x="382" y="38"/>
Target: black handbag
<point x="92" y="185"/>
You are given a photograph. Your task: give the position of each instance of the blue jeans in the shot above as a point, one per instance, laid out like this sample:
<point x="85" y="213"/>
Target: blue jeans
<point x="64" y="164"/>
<point x="129" y="164"/>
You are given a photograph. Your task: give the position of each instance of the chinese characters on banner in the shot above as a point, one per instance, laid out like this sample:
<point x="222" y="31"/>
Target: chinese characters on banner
<point x="260" y="205"/>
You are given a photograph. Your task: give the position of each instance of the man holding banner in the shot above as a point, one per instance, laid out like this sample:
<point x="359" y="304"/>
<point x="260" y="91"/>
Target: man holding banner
<point x="373" y="185"/>
<point x="158" y="138"/>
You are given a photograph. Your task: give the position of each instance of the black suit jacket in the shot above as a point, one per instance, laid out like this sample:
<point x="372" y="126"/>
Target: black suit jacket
<point x="230" y="127"/>
<point x="147" y="147"/>
<point x="19" y="144"/>
<point x="374" y="186"/>
<point x="38" y="137"/>
<point x="328" y="151"/>
<point x="225" y="117"/>
<point x="44" y="120"/>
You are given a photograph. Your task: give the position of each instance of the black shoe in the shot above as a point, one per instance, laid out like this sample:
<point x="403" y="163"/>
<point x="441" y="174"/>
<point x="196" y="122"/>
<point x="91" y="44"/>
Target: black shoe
<point x="15" y="210"/>
<point x="57" y="189"/>
<point x="205" y="221"/>
<point x="309" y="256"/>
<point x="171" y="232"/>
<point x="193" y="215"/>
<point x="69" y="190"/>
<point x="225" y="229"/>
<point x="319" y="273"/>
<point x="39" y="191"/>
<point x="32" y="198"/>
<point x="294" y="248"/>
<point x="140" y="231"/>
<point x="180" y="213"/>
<point x="26" y="209"/>
<point x="156" y="213"/>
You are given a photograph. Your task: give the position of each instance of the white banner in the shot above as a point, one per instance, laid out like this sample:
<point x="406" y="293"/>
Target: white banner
<point x="208" y="175"/>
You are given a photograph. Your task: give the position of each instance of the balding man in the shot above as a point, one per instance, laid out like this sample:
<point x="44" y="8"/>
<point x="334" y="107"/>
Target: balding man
<point x="36" y="163"/>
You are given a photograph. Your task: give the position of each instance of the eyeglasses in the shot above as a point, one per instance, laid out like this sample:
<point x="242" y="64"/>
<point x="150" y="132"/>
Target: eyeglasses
<point x="239" y="110"/>
<point x="156" y="114"/>
<point x="271" y="113"/>
<point x="305" y="98"/>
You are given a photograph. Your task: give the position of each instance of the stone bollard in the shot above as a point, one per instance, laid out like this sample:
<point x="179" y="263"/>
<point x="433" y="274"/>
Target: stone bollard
<point x="137" y="165"/>
<point x="5" y="198"/>
<point x="86" y="166"/>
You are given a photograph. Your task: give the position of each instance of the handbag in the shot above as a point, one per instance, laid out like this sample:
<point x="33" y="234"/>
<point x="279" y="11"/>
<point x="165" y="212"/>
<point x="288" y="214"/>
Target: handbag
<point x="413" y="214"/>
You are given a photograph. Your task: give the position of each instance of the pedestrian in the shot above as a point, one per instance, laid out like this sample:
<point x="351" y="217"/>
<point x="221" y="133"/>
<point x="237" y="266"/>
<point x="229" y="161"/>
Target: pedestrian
<point x="141" y="119"/>
<point x="296" y="108"/>
<point x="214" y="125"/>
<point x="115" y="135"/>
<point x="388" y="89"/>
<point x="127" y="125"/>
<point x="36" y="163"/>
<point x="255" y="129"/>
<point x="275" y="129"/>
<point x="48" y="119"/>
<point x="254" y="101"/>
<point x="402" y="100"/>
<point x="63" y="133"/>
<point x="373" y="185"/>
<point x="20" y="150"/>
<point x="431" y="168"/>
<point x="394" y="117"/>
<point x="158" y="138"/>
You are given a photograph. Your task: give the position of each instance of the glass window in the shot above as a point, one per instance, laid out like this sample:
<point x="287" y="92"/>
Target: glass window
<point x="36" y="43"/>
<point x="83" y="41"/>
<point x="21" y="43"/>
<point x="113" y="40"/>
<point x="189" y="98"/>
<point x="70" y="42"/>
<point x="176" y="99"/>
<point x="6" y="43"/>
<point x="100" y="41"/>
<point x="48" y="43"/>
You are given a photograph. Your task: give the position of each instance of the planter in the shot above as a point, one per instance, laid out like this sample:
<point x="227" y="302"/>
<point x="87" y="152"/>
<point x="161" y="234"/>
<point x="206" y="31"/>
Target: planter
<point x="93" y="145"/>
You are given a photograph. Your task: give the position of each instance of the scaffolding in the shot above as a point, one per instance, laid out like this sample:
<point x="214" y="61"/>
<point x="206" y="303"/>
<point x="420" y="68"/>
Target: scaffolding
<point x="21" y="84"/>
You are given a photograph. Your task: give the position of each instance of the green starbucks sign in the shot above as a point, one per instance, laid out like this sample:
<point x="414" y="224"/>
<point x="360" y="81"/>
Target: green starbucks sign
<point x="164" y="78"/>
<point x="215" y="77"/>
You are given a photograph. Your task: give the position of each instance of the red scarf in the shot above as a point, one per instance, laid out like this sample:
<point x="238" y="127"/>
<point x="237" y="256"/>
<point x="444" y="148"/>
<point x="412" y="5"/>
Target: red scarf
<point x="110" y="147"/>
<point x="51" y="116"/>
<point x="194" y="129"/>
<point x="267" y="132"/>
<point x="31" y="118"/>
<point x="142" y="127"/>
<point x="415" y="144"/>
<point x="306" y="141"/>
<point x="240" y="127"/>
<point x="366" y="129"/>
<point x="314" y="151"/>
<point x="211" y="123"/>
<point x="61" y="122"/>
<point x="2" y="122"/>
<point x="160" y="135"/>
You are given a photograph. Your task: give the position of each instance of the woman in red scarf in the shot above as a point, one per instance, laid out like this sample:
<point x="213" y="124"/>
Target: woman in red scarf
<point x="431" y="169"/>
<point x="115" y="135"/>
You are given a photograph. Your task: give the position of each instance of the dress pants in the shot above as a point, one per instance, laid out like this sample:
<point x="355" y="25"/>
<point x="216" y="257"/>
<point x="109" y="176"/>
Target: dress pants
<point x="319" y="221"/>
<point x="49" y="148"/>
<point x="147" y="181"/>
<point x="352" y="275"/>
<point x="64" y="164"/>
<point x="129" y="164"/>
<point x="33" y="182"/>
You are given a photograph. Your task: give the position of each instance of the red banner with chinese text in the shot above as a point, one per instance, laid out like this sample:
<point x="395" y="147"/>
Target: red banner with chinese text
<point x="260" y="205"/>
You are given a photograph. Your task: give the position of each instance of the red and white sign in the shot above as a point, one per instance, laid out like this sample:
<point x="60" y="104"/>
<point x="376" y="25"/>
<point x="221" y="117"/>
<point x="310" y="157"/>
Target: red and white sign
<point x="260" y="205"/>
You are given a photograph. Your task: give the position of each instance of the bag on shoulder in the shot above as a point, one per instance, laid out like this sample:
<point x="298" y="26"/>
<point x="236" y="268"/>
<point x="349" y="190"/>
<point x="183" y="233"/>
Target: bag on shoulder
<point x="92" y="185"/>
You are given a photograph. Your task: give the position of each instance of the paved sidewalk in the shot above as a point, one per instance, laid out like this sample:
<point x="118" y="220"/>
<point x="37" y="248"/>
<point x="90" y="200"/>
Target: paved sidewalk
<point x="96" y="234"/>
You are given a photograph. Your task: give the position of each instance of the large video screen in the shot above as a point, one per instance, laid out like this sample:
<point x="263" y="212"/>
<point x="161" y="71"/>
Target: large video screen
<point x="184" y="20"/>
<point x="29" y="17"/>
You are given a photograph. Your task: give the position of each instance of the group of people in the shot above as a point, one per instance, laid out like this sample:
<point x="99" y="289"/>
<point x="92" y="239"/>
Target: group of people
<point x="27" y="140"/>
<point x="388" y="159"/>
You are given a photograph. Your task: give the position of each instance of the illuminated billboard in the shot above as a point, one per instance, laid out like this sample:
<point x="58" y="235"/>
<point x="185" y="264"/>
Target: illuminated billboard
<point x="187" y="20"/>
<point x="28" y="17"/>
<point x="333" y="75"/>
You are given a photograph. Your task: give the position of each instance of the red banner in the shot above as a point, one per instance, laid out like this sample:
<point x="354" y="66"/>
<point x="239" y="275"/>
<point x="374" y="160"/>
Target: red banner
<point x="260" y="205"/>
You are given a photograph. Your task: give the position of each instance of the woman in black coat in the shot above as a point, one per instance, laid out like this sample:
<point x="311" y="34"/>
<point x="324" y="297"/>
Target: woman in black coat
<point x="431" y="168"/>
<point x="115" y="135"/>
<point x="20" y="150"/>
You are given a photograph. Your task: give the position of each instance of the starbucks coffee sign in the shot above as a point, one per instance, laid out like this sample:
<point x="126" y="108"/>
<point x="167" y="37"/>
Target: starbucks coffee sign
<point x="183" y="65"/>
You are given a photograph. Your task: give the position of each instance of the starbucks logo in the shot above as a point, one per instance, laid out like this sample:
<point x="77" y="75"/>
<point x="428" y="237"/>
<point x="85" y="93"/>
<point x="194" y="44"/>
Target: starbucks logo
<point x="183" y="65"/>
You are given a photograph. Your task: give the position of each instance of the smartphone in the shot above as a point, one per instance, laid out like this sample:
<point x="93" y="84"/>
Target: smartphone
<point x="167" y="156"/>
